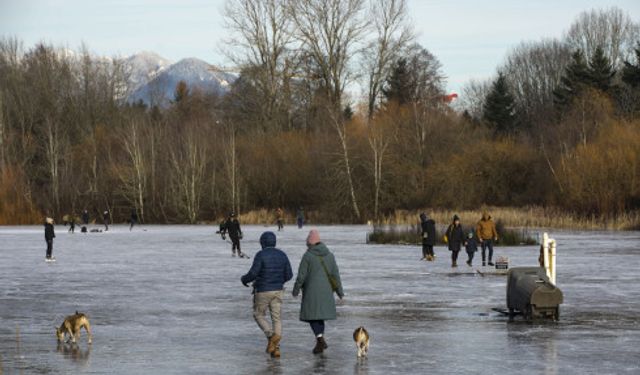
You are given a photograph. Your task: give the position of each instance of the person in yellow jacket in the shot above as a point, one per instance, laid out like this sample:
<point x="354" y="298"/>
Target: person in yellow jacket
<point x="487" y="234"/>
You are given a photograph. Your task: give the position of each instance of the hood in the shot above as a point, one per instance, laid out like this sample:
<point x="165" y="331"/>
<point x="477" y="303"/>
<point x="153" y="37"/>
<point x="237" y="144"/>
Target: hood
<point x="268" y="239"/>
<point x="423" y="217"/>
<point x="49" y="220"/>
<point x="319" y="249"/>
<point x="486" y="216"/>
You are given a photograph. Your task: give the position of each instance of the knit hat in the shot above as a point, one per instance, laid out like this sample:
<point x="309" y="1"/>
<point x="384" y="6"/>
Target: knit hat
<point x="268" y="239"/>
<point x="49" y="220"/>
<point x="313" y="237"/>
<point x="455" y="217"/>
<point x="470" y="235"/>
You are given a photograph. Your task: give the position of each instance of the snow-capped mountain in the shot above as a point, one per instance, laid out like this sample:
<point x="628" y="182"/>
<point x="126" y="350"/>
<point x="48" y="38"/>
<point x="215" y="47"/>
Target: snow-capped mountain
<point x="143" y="67"/>
<point x="156" y="81"/>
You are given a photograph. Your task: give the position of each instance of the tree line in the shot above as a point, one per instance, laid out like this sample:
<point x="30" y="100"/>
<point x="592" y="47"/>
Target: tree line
<point x="558" y="126"/>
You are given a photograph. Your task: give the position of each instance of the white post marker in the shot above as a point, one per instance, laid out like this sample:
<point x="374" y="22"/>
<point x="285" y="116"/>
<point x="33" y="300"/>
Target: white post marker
<point x="549" y="256"/>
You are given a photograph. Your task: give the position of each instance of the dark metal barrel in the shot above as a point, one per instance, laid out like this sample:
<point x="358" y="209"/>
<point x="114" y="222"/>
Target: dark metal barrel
<point x="530" y="292"/>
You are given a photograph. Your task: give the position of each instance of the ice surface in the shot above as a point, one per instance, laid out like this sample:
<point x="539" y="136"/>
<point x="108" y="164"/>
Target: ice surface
<point x="168" y="300"/>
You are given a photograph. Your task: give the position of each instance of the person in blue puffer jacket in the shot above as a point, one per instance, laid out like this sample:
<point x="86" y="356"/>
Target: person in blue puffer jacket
<point x="270" y="271"/>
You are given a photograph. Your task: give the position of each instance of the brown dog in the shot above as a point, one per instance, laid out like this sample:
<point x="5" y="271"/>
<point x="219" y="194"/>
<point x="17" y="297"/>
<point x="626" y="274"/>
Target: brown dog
<point x="361" y="337"/>
<point x="72" y="325"/>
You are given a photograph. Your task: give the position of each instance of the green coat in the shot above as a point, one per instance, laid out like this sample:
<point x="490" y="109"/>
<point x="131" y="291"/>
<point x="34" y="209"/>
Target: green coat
<point x="318" y="302"/>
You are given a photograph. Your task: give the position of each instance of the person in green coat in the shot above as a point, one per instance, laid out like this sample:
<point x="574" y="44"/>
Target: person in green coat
<point x="317" y="267"/>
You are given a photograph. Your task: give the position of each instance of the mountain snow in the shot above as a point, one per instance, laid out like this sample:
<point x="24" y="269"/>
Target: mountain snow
<point x="154" y="79"/>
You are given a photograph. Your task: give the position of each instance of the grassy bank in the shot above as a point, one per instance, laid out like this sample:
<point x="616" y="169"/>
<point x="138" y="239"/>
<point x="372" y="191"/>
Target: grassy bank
<point x="510" y="217"/>
<point x="526" y="217"/>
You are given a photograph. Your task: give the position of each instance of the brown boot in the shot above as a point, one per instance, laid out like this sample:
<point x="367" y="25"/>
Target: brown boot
<point x="276" y="353"/>
<point x="274" y="341"/>
<point x="321" y="345"/>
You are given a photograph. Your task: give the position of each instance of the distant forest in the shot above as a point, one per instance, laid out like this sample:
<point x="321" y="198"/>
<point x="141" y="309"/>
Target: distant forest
<point x="557" y="126"/>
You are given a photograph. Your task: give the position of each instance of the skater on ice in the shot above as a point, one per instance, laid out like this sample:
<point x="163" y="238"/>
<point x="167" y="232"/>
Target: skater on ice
<point x="232" y="227"/>
<point x="106" y="216"/>
<point x="318" y="278"/>
<point x="280" y="219"/>
<point x="134" y="219"/>
<point x="85" y="217"/>
<point x="271" y="269"/>
<point x="487" y="234"/>
<point x="455" y="238"/>
<point x="300" y="217"/>
<point x="72" y="223"/>
<point x="49" y="235"/>
<point x="428" y="233"/>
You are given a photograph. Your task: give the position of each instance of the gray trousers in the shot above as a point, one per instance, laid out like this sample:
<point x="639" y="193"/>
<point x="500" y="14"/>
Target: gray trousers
<point x="272" y="301"/>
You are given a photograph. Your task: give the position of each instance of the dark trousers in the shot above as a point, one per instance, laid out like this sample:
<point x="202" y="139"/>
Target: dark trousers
<point x="235" y="245"/>
<point x="133" y="222"/>
<point x="427" y="250"/>
<point x="470" y="255"/>
<point x="487" y="244"/>
<point x="300" y="222"/>
<point x="454" y="256"/>
<point x="317" y="326"/>
<point x="106" y="225"/>
<point x="280" y="225"/>
<point x="49" y="248"/>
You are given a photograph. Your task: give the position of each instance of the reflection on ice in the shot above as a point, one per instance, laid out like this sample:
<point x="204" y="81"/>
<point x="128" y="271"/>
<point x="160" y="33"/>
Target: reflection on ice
<point x="169" y="300"/>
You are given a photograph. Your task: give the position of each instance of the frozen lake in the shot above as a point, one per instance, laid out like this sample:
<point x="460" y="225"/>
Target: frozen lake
<point x="168" y="300"/>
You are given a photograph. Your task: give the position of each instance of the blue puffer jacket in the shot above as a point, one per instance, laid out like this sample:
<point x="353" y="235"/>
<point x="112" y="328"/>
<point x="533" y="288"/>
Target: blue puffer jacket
<point x="271" y="267"/>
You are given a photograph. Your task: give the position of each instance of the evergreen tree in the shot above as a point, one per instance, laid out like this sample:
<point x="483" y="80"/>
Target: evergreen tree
<point x="575" y="78"/>
<point x="399" y="85"/>
<point x="600" y="71"/>
<point x="499" y="106"/>
<point x="181" y="92"/>
<point x="631" y="72"/>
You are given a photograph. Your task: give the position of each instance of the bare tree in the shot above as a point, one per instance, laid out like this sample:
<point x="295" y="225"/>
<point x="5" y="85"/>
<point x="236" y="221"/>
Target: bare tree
<point x="329" y="32"/>
<point x="612" y="29"/>
<point x="188" y="160"/>
<point x="133" y="174"/>
<point x="393" y="34"/>
<point x="382" y="131"/>
<point x="263" y="30"/>
<point x="533" y="71"/>
<point x="472" y="97"/>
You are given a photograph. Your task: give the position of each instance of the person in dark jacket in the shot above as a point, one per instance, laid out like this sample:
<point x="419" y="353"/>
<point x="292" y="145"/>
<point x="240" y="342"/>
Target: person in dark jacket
<point x="455" y="239"/>
<point x="318" y="278"/>
<point x="428" y="233"/>
<point x="300" y="217"/>
<point x="232" y="228"/>
<point x="471" y="245"/>
<point x="270" y="270"/>
<point x="85" y="217"/>
<point x="49" y="235"/>
<point x="106" y="216"/>
<point x="134" y="219"/>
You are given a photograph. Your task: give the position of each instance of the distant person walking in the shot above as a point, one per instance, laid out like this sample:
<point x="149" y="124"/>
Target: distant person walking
<point x="487" y="234"/>
<point x="455" y="239"/>
<point x="134" y="219"/>
<point x="85" y="217"/>
<point x="300" y="217"/>
<point x="280" y="219"/>
<point x="428" y="233"/>
<point x="49" y="235"/>
<point x="270" y="270"/>
<point x="318" y="278"/>
<point x="106" y="216"/>
<point x="232" y="227"/>
<point x="471" y="246"/>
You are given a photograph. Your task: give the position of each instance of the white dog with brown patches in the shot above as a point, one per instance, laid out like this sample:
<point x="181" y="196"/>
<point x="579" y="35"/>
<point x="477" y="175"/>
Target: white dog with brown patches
<point x="361" y="337"/>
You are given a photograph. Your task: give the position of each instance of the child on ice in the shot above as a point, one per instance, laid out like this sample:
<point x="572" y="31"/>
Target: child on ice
<point x="471" y="245"/>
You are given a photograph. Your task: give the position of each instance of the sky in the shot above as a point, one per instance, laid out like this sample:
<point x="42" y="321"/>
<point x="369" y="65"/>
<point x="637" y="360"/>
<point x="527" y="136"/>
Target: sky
<point x="469" y="37"/>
